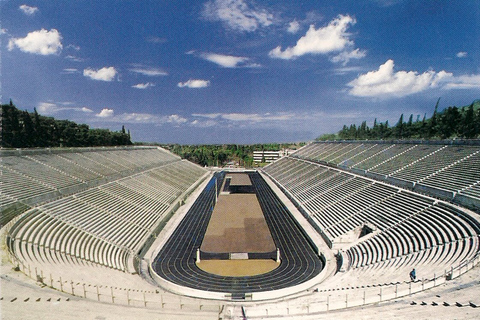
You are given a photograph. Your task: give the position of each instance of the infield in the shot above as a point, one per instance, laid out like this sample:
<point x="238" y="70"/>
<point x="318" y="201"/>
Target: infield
<point x="237" y="225"/>
<point x="238" y="268"/>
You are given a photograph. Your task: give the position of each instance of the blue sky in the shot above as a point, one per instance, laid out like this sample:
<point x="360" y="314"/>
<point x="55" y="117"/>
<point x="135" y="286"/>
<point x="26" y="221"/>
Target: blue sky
<point x="238" y="71"/>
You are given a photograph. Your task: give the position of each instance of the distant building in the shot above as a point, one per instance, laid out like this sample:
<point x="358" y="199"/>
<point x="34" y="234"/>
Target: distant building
<point x="269" y="156"/>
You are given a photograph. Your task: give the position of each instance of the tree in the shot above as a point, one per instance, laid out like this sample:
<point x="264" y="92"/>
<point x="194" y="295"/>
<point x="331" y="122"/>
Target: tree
<point x="28" y="130"/>
<point x="432" y="125"/>
<point x="447" y="125"/>
<point x="399" y="128"/>
<point x="467" y="129"/>
<point x="21" y="129"/>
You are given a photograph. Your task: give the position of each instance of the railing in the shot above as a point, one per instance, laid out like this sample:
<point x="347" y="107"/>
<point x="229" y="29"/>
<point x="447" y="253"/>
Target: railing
<point x="110" y="294"/>
<point x="320" y="301"/>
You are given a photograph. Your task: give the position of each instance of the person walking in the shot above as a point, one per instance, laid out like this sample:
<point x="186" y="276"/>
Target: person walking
<point x="413" y="275"/>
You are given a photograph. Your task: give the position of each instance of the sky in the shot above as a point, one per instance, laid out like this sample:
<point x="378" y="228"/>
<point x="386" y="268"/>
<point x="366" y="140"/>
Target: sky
<point x="238" y="71"/>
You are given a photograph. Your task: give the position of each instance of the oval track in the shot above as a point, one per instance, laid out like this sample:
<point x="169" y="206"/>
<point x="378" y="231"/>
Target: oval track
<point x="176" y="261"/>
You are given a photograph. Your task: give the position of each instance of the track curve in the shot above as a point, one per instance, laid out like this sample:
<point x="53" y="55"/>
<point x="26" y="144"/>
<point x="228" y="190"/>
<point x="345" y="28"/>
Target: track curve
<point x="176" y="261"/>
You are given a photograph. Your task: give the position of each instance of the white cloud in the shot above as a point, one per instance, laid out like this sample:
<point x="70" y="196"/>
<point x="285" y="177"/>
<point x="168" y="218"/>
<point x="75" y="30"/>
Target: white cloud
<point x="387" y="3"/>
<point x="464" y="82"/>
<point x="207" y="115"/>
<point x="345" y="70"/>
<point x="293" y="26"/>
<point x="461" y="54"/>
<point x="194" y="83"/>
<point x="3" y="31"/>
<point x="103" y="74"/>
<point x="345" y="56"/>
<point x="143" y="85"/>
<point x="52" y="108"/>
<point x="70" y="70"/>
<point x="74" y="58"/>
<point x="223" y="60"/>
<point x="74" y="47"/>
<point x="204" y="123"/>
<point x="384" y="82"/>
<point x="237" y="14"/>
<point x="248" y="117"/>
<point x="28" y="10"/>
<point x="41" y="42"/>
<point x="105" y="113"/>
<point x="148" y="71"/>
<point x="154" y="39"/>
<point x="331" y="38"/>
<point x="176" y="119"/>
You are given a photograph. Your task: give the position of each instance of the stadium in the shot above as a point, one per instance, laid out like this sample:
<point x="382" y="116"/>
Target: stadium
<point x="332" y="230"/>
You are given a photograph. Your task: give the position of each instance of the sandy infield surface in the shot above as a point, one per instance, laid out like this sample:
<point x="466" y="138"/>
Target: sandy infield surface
<point x="237" y="225"/>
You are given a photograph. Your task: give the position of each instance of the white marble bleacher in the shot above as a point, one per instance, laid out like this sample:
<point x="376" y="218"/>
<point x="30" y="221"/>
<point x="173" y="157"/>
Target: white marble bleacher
<point x="106" y="224"/>
<point x="422" y="168"/>
<point x="304" y="173"/>
<point x="412" y="230"/>
<point x="20" y="187"/>
<point x="289" y="171"/>
<point x="380" y="162"/>
<point x="473" y="191"/>
<point x="407" y="157"/>
<point x="354" y="211"/>
<point x="39" y="172"/>
<point x="319" y="151"/>
<point x="321" y="181"/>
<point x="365" y="156"/>
<point x="337" y="151"/>
<point x="354" y="150"/>
<point x="108" y="162"/>
<point x="280" y="165"/>
<point x="78" y="165"/>
<point x="458" y="176"/>
<point x="309" y="150"/>
<point x="450" y="238"/>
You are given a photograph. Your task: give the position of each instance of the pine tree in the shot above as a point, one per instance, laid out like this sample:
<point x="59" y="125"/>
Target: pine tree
<point x="467" y="128"/>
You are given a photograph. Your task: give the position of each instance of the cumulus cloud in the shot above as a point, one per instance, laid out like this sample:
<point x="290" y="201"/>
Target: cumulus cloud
<point x="105" y="113"/>
<point x="385" y="82"/>
<point x="52" y="108"/>
<point x="324" y="40"/>
<point x="461" y="54"/>
<point x="237" y="14"/>
<point x="223" y="60"/>
<point x="103" y="74"/>
<point x="148" y="71"/>
<point x="194" y="83"/>
<point x="28" y="10"/>
<point x="41" y="42"/>
<point x="293" y="26"/>
<point x="143" y="85"/>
